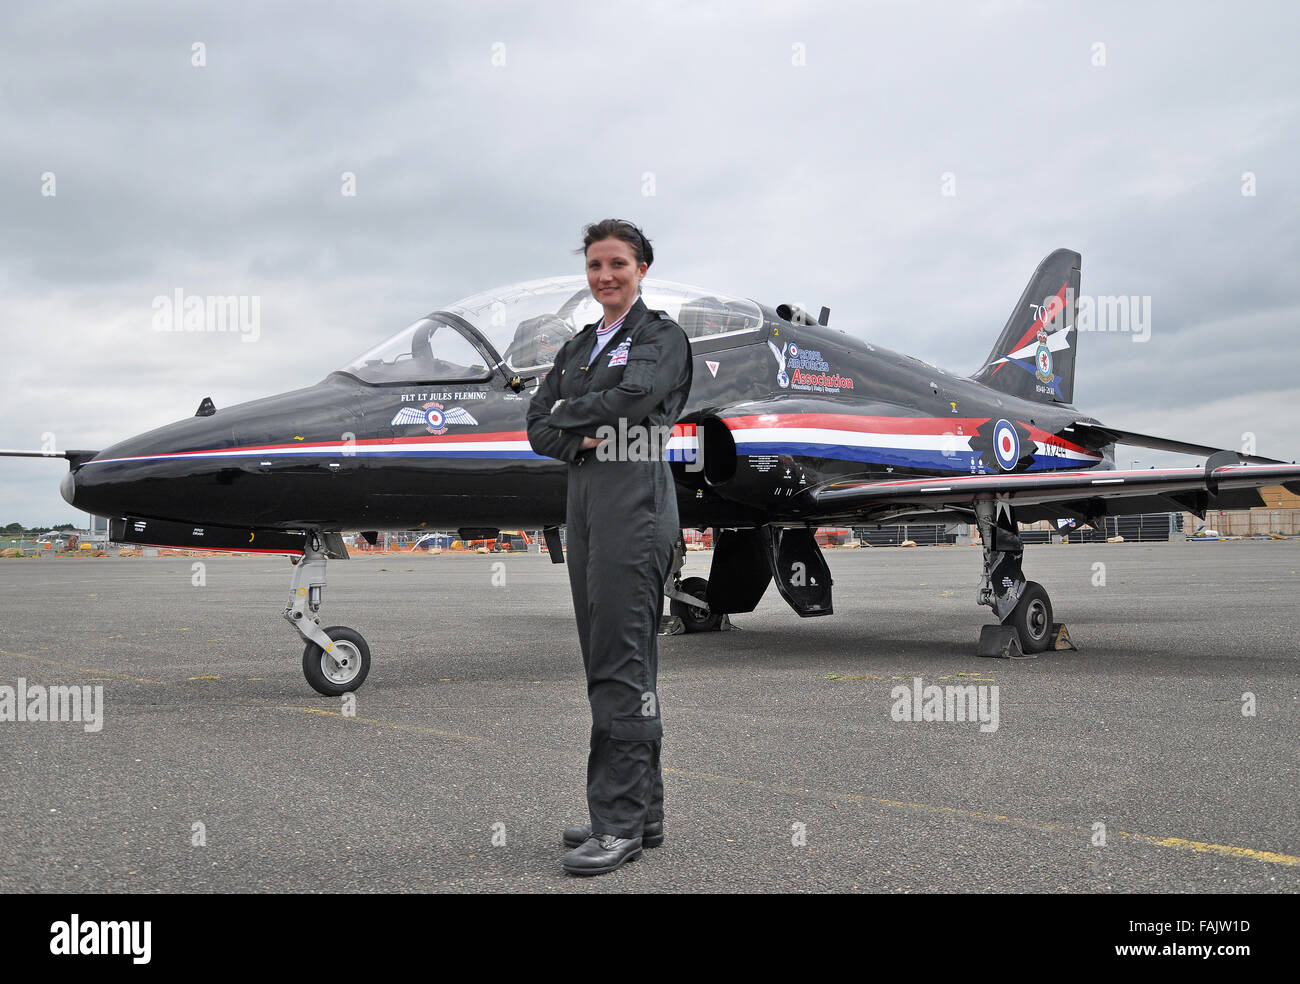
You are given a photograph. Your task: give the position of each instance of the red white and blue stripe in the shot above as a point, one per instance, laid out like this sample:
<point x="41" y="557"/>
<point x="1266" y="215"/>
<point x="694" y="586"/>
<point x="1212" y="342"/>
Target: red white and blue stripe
<point x="498" y="445"/>
<point x="941" y="444"/>
<point x="927" y="443"/>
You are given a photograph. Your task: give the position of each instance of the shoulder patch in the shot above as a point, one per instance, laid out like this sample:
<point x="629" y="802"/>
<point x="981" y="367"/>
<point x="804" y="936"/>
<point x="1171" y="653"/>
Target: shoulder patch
<point x="663" y="316"/>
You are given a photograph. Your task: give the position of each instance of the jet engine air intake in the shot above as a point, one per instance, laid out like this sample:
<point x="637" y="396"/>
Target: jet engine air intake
<point x="719" y="451"/>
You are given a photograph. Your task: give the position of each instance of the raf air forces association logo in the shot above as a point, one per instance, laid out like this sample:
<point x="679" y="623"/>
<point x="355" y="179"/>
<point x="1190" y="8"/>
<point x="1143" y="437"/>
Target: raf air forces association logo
<point x="433" y="416"/>
<point x="1043" y="358"/>
<point x="782" y="377"/>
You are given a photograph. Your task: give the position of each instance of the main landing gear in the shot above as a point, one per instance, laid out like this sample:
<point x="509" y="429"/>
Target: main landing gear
<point x="745" y="562"/>
<point x="1023" y="607"/>
<point x="336" y="659"/>
<point x="688" y="603"/>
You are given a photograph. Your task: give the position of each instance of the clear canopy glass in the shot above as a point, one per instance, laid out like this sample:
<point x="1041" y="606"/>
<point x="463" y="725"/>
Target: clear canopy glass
<point x="430" y="351"/>
<point x="528" y="323"/>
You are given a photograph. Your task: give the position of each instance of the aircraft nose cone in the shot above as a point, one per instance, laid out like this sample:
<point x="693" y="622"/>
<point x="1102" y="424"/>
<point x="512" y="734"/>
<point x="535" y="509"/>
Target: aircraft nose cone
<point x="68" y="488"/>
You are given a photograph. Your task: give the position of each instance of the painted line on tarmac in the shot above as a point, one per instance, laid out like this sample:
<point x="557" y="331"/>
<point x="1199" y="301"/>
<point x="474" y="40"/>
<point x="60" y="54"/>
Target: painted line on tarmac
<point x="108" y="674"/>
<point x="418" y="729"/>
<point x="1179" y="843"/>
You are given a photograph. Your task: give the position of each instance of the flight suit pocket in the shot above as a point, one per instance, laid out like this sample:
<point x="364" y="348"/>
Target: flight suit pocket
<point x="636" y="728"/>
<point x="642" y="366"/>
<point x="632" y="768"/>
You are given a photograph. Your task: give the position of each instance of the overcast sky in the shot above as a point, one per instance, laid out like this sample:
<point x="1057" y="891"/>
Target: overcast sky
<point x="779" y="151"/>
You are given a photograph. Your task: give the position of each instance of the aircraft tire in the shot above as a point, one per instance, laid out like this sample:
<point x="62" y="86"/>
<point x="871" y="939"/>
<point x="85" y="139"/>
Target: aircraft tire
<point x="1032" y="619"/>
<point x="694" y="620"/>
<point x="322" y="671"/>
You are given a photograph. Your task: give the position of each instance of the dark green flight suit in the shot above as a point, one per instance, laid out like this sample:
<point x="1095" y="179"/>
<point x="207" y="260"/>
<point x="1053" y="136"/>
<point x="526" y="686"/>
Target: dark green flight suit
<point x="622" y="524"/>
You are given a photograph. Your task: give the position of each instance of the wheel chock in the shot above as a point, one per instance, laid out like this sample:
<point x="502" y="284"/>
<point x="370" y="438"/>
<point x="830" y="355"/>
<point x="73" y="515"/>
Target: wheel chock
<point x="1061" y="637"/>
<point x="999" y="642"/>
<point x="671" y="625"/>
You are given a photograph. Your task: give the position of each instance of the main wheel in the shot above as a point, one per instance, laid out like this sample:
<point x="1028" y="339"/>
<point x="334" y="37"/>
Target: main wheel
<point x="1032" y="618"/>
<point x="695" y="619"/>
<point x="341" y="670"/>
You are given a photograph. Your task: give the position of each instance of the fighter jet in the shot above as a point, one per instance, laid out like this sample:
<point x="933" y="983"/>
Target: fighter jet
<point x="791" y="425"/>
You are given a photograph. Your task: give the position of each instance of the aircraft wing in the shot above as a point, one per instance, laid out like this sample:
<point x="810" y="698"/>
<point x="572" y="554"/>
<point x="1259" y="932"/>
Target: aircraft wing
<point x="1047" y="495"/>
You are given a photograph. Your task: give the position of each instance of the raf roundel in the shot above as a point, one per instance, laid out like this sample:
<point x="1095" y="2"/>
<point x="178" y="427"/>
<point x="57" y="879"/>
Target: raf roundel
<point x="435" y="418"/>
<point x="1006" y="445"/>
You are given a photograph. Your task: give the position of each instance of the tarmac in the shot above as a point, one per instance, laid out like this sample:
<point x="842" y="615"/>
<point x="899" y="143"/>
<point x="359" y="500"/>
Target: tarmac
<point x="1159" y="757"/>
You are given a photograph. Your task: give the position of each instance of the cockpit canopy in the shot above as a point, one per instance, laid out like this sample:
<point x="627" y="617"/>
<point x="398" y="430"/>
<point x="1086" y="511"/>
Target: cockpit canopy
<point x="525" y="325"/>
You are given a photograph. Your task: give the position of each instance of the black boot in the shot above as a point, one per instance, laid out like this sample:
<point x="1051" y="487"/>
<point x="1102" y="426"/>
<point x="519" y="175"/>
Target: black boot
<point x="651" y="836"/>
<point x="599" y="855"/>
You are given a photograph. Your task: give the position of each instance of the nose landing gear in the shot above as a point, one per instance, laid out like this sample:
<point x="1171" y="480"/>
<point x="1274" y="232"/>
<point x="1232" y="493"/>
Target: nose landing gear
<point x="336" y="659"/>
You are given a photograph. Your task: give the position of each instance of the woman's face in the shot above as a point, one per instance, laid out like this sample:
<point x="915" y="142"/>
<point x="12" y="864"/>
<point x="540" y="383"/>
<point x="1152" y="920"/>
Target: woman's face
<point x="613" y="273"/>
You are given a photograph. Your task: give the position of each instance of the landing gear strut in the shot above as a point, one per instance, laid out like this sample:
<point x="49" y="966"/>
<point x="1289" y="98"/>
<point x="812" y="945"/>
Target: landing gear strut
<point x="1023" y="607"/>
<point x="336" y="659"/>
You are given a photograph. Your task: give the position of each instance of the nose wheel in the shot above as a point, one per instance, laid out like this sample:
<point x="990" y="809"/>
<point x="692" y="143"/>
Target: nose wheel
<point x="342" y="668"/>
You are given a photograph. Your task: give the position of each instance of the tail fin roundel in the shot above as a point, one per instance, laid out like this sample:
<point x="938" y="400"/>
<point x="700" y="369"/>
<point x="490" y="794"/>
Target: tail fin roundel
<point x="1034" y="356"/>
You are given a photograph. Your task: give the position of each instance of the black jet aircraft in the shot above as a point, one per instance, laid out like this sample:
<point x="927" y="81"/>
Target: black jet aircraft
<point x="790" y="425"/>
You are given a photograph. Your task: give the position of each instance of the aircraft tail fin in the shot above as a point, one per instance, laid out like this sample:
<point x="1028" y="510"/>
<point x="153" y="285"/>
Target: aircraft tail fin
<point x="1034" y="356"/>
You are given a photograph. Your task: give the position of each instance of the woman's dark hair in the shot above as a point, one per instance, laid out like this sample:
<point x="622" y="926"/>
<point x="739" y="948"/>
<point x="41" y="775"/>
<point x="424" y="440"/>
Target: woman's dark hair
<point x="619" y="229"/>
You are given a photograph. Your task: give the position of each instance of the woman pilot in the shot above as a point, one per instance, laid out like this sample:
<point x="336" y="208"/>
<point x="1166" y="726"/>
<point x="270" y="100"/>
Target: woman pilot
<point x="630" y="370"/>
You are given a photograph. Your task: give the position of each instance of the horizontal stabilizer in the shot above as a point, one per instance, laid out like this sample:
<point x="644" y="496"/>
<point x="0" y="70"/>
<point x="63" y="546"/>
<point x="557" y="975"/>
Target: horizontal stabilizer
<point x="1097" y="436"/>
<point x="1084" y="493"/>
